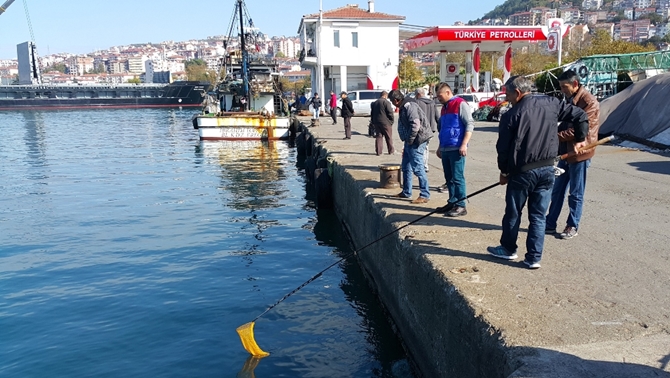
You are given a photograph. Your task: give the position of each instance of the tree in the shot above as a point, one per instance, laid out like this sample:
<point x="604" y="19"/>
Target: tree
<point x="60" y="67"/>
<point x="280" y="54"/>
<point x="532" y="61"/>
<point x="100" y="68"/>
<point x="602" y="43"/>
<point x="195" y="62"/>
<point x="654" y="18"/>
<point x="196" y="70"/>
<point x="135" y="80"/>
<point x="410" y="75"/>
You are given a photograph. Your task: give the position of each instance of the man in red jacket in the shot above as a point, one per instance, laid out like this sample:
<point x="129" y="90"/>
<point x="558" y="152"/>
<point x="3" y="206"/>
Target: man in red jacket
<point x="575" y="166"/>
<point x="333" y="107"/>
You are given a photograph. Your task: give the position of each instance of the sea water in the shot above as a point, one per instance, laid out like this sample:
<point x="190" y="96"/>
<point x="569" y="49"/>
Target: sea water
<point x="130" y="249"/>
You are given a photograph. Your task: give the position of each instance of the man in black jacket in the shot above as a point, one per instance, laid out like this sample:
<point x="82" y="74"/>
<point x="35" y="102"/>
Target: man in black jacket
<point x="381" y="114"/>
<point x="527" y="147"/>
<point x="316" y="105"/>
<point x="346" y="112"/>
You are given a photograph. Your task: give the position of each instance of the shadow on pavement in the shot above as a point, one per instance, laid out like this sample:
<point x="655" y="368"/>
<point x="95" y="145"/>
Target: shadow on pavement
<point x="541" y="362"/>
<point x="662" y="167"/>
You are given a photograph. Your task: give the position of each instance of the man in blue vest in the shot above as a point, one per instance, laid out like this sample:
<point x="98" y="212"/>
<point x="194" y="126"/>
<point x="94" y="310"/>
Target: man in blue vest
<point x="456" y="126"/>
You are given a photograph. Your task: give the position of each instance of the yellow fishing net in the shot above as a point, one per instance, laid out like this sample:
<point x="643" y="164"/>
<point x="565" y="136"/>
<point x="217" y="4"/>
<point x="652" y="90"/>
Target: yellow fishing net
<point x="246" y="332"/>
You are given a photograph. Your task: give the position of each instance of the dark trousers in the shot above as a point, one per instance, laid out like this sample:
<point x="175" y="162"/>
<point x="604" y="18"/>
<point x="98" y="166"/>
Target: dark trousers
<point x="535" y="187"/>
<point x="384" y="132"/>
<point x="333" y="114"/>
<point x="347" y="127"/>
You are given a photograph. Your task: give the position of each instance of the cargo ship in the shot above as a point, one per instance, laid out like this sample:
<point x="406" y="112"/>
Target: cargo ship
<point x="108" y="96"/>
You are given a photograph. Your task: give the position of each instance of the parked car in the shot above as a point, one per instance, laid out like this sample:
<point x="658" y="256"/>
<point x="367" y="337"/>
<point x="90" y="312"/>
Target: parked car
<point x="361" y="100"/>
<point x="493" y="101"/>
<point x="471" y="99"/>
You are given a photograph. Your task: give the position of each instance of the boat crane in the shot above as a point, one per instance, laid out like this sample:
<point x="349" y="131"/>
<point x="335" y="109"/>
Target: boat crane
<point x="6" y="5"/>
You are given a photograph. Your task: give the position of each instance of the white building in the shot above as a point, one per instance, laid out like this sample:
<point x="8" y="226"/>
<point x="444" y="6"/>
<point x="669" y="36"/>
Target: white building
<point x="290" y="47"/>
<point x="136" y="64"/>
<point x="643" y="3"/>
<point x="351" y="48"/>
<point x="592" y="4"/>
<point x="662" y="29"/>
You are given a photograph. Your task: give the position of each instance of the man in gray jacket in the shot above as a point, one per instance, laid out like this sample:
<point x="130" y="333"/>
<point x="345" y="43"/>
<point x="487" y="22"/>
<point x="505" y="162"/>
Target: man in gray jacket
<point x="428" y="106"/>
<point x="414" y="130"/>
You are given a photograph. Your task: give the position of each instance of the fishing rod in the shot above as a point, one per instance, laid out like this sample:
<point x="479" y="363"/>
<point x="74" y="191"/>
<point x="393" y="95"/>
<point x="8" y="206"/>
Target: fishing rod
<point x="246" y="331"/>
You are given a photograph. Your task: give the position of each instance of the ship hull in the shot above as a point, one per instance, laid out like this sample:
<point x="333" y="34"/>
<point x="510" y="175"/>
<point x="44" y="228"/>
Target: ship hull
<point x="54" y="97"/>
<point x="241" y="126"/>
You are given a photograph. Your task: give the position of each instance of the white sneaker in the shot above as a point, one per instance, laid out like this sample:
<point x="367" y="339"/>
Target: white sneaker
<point x="533" y="265"/>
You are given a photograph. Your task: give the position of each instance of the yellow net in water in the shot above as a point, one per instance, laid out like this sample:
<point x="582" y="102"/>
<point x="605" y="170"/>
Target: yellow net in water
<point x="246" y="332"/>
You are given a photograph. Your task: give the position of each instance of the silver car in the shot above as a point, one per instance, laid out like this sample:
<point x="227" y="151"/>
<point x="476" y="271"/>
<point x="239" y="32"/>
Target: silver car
<point x="361" y="100"/>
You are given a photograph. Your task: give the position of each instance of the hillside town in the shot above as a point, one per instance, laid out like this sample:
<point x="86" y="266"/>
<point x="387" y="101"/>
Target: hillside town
<point x="627" y="20"/>
<point x="138" y="62"/>
<point x="637" y="21"/>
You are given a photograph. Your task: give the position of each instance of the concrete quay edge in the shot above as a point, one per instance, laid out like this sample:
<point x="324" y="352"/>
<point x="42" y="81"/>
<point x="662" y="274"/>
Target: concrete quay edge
<point x="463" y="314"/>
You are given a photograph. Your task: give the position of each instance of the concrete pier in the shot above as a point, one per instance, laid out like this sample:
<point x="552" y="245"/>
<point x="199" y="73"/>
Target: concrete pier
<point x="598" y="307"/>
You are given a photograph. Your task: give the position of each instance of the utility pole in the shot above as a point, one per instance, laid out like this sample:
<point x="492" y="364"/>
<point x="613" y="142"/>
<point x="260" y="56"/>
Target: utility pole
<point x="319" y="59"/>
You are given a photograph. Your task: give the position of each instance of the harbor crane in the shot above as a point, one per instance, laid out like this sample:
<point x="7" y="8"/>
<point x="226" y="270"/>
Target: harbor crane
<point x="6" y="5"/>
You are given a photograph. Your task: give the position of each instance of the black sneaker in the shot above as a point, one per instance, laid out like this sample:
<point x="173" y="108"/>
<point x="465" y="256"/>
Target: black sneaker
<point x="549" y="231"/>
<point x="457" y="211"/>
<point x="442" y="188"/>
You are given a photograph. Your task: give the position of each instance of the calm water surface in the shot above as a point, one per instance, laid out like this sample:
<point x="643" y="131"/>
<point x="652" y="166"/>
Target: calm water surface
<point x="129" y="249"/>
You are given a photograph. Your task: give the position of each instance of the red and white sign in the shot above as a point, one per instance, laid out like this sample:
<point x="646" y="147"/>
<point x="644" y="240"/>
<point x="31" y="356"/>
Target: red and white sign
<point x="452" y="69"/>
<point x="508" y="59"/>
<point x="554" y="23"/>
<point x="476" y="59"/>
<point x="471" y="34"/>
<point x="552" y="41"/>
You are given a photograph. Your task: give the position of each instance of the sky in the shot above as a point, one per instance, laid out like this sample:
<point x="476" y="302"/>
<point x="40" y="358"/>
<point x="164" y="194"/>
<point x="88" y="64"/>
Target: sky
<point x="83" y="26"/>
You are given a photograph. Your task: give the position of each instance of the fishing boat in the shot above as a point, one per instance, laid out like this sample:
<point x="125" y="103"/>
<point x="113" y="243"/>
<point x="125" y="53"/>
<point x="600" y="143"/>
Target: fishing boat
<point x="246" y="104"/>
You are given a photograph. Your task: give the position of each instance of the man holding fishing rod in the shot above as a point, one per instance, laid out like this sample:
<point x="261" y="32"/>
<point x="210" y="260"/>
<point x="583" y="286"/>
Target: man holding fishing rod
<point x="527" y="147"/>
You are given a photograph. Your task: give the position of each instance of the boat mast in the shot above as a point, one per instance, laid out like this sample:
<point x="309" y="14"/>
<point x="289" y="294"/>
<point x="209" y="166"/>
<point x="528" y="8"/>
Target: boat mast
<point x="245" y="58"/>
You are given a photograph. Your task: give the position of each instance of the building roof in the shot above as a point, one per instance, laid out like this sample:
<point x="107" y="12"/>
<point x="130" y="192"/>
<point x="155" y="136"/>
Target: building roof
<point x="353" y="12"/>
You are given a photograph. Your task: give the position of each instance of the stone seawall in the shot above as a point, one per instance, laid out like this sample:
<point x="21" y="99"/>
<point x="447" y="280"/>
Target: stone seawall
<point x="598" y="307"/>
<point x="441" y="330"/>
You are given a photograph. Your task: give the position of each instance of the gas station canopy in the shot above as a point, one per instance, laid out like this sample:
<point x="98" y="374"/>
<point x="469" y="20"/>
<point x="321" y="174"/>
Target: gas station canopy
<point x="461" y="38"/>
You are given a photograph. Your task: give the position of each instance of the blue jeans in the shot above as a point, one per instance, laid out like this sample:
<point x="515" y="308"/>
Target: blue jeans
<point x="426" y="154"/>
<point x="533" y="186"/>
<point x="412" y="162"/>
<point x="453" y="165"/>
<point x="575" y="176"/>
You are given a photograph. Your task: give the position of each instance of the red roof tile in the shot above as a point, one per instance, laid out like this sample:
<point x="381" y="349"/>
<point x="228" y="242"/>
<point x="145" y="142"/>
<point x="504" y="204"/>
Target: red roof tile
<point x="354" y="12"/>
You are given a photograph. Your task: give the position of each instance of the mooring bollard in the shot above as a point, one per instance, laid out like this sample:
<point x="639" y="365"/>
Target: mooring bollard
<point x="389" y="176"/>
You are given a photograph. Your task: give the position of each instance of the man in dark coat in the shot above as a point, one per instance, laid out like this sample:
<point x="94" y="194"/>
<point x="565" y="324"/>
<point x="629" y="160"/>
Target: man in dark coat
<point x="316" y="105"/>
<point x="346" y="112"/>
<point x="527" y="146"/>
<point x="382" y="120"/>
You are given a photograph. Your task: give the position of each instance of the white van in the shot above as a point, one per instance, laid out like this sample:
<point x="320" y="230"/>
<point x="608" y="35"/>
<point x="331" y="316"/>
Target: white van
<point x="361" y="100"/>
